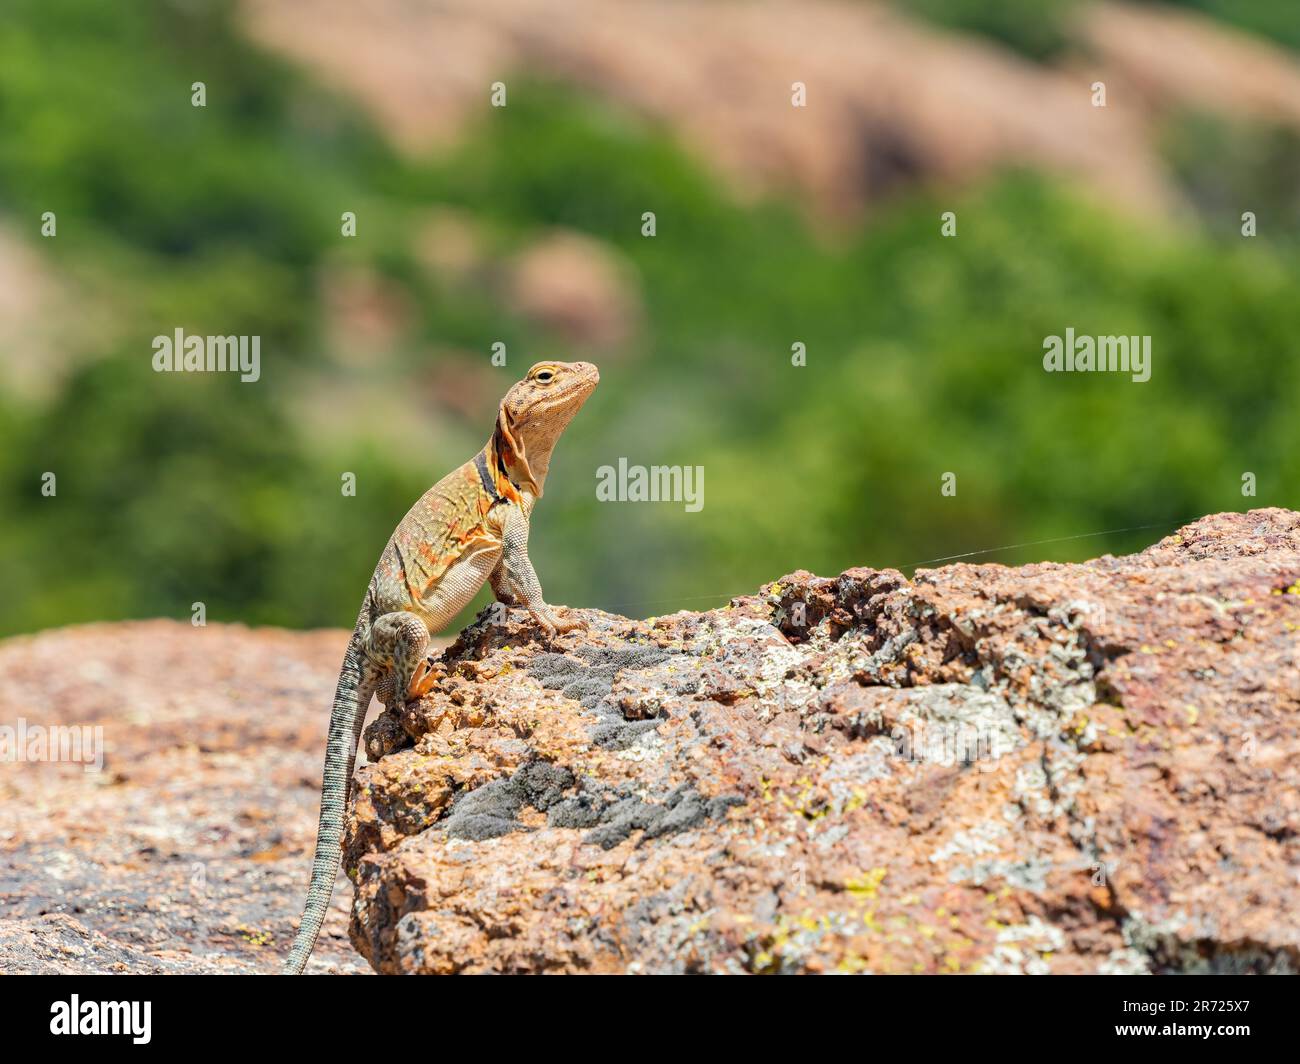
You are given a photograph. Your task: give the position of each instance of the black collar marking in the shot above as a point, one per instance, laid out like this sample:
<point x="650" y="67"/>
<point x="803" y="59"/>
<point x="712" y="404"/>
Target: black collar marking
<point x="480" y="463"/>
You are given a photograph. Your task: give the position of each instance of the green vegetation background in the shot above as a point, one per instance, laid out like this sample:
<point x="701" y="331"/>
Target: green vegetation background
<point x="923" y="353"/>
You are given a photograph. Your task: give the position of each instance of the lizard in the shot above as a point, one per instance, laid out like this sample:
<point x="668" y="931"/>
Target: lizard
<point x="470" y="528"/>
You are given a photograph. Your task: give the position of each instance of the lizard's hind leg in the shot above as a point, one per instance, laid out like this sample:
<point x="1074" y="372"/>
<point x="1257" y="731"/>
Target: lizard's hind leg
<point x="399" y="644"/>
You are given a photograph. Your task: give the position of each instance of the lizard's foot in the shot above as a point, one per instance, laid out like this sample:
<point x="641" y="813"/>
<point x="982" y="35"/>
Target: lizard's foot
<point x="548" y="629"/>
<point x="573" y="624"/>
<point x="552" y="625"/>
<point x="422" y="680"/>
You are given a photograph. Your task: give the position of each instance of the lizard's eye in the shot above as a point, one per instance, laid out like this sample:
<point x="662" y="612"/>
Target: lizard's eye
<point x="544" y="377"/>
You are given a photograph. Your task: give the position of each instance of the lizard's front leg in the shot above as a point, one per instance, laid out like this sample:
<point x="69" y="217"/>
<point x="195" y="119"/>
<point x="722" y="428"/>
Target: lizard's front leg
<point x="399" y="642"/>
<point x="515" y="581"/>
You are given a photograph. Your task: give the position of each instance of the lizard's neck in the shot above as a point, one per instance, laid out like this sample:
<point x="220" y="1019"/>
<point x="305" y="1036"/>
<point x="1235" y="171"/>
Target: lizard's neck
<point x="521" y="448"/>
<point x="503" y="461"/>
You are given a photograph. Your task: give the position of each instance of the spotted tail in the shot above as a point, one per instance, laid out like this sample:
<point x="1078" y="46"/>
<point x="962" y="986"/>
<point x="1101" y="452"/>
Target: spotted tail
<point x="351" y="699"/>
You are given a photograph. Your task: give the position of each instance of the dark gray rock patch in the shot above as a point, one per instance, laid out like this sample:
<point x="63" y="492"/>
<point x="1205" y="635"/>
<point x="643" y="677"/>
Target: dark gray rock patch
<point x="612" y="815"/>
<point x="493" y="809"/>
<point x="589" y="682"/>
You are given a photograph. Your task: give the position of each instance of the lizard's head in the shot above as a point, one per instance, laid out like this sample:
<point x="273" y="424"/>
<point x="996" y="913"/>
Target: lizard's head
<point x="536" y="411"/>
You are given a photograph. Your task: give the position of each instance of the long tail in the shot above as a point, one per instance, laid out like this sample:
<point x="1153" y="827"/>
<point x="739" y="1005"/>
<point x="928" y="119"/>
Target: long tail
<point x="350" y="702"/>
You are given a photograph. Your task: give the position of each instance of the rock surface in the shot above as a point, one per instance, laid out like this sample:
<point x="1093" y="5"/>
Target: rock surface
<point x="188" y="849"/>
<point x="1054" y="768"/>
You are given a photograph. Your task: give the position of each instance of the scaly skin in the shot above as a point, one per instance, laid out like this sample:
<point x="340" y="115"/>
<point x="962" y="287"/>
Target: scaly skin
<point x="468" y="529"/>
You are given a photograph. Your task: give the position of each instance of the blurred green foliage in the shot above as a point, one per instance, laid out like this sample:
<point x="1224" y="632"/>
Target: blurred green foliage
<point x="1228" y="167"/>
<point x="1040" y="29"/>
<point x="924" y="353"/>
<point x="1277" y="19"/>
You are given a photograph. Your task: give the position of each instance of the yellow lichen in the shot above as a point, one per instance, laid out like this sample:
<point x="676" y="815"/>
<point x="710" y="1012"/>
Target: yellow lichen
<point x="866" y="886"/>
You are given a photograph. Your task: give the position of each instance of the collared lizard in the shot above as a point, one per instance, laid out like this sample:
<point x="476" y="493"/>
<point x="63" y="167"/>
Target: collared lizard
<point x="469" y="528"/>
